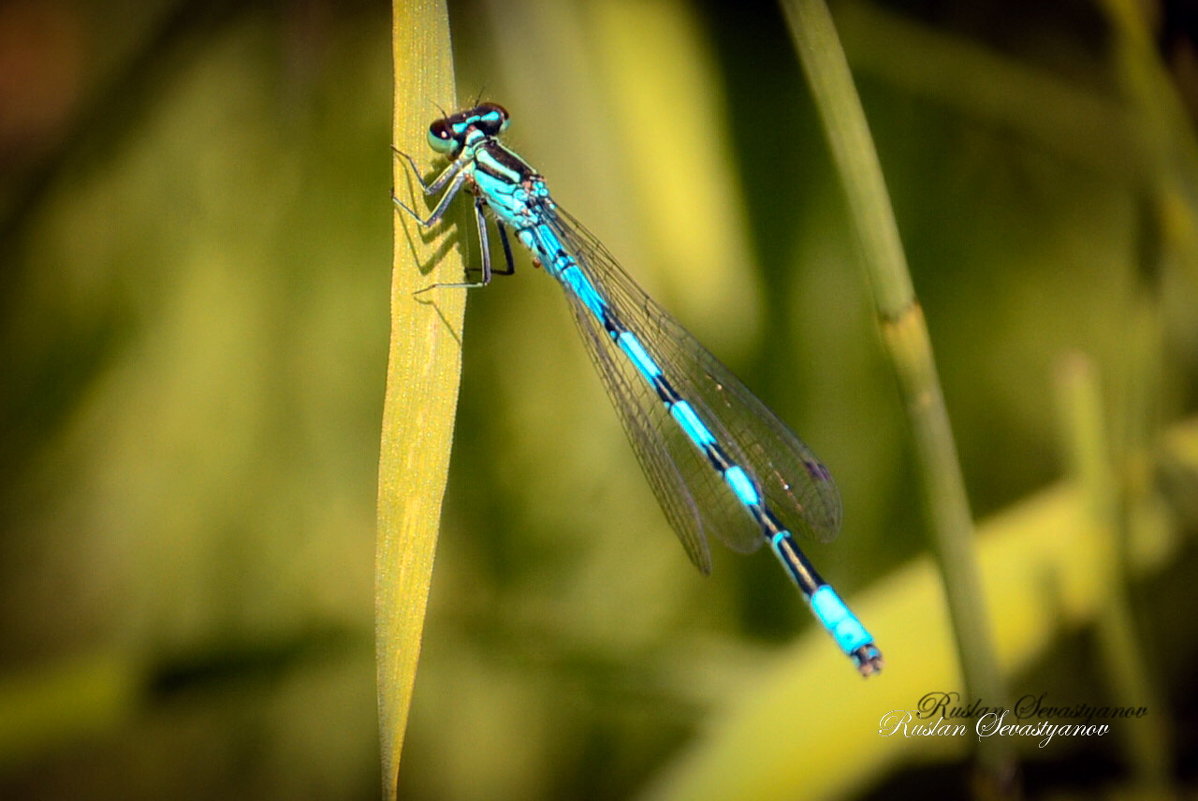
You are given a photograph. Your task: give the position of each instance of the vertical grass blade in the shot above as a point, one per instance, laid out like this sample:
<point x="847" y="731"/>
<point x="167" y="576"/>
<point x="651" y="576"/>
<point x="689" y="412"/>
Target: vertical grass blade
<point x="1106" y="517"/>
<point x="423" y="370"/>
<point x="908" y="346"/>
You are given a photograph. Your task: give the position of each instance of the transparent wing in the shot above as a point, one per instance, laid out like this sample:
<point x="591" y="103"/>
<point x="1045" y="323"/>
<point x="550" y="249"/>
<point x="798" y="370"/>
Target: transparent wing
<point x="796" y="486"/>
<point x="671" y="471"/>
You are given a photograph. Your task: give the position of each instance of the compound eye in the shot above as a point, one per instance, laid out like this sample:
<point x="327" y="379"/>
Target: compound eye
<point x="492" y="119"/>
<point x="441" y="138"/>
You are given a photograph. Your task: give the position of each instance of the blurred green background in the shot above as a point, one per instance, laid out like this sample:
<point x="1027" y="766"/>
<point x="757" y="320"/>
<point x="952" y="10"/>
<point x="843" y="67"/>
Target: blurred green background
<point x="194" y="240"/>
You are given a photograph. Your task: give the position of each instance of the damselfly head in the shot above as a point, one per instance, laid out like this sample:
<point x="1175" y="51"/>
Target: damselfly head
<point x="448" y="134"/>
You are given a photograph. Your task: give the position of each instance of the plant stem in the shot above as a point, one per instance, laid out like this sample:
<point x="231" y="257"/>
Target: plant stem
<point x="905" y="336"/>
<point x="1106" y="518"/>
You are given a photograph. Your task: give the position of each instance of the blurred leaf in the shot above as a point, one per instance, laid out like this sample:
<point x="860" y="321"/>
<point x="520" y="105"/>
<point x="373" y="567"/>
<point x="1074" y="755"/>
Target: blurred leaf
<point x="811" y="729"/>
<point x="59" y="704"/>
